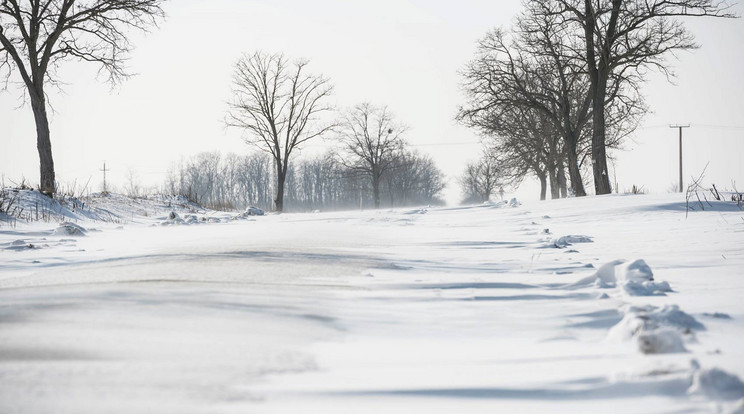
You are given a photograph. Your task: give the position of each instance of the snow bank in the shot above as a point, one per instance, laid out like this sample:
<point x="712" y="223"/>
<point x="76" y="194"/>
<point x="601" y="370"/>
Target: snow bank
<point x="502" y="204"/>
<point x="70" y="229"/>
<point x="250" y="212"/>
<point x="661" y="341"/>
<point x="30" y="206"/>
<point x="565" y="241"/>
<point x="633" y="288"/>
<point x="656" y="330"/>
<point x="717" y="384"/>
<point x="736" y="408"/>
<point x="634" y="278"/>
<point x="18" y="245"/>
<point x="174" y="218"/>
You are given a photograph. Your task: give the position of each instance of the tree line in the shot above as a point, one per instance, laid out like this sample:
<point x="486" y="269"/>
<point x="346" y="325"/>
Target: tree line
<point x="279" y="106"/>
<point x="324" y="182"/>
<point x="550" y="96"/>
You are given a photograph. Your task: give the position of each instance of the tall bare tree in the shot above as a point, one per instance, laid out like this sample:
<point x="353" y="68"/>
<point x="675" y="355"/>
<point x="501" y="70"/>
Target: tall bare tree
<point x="36" y="36"/>
<point x="371" y="138"/>
<point x="622" y="40"/>
<point x="279" y="106"/>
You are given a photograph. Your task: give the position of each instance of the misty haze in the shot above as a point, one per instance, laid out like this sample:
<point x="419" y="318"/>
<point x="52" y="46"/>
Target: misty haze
<point x="402" y="206"/>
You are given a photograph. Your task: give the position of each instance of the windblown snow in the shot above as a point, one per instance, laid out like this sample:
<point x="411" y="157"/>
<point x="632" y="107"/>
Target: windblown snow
<point x="602" y="304"/>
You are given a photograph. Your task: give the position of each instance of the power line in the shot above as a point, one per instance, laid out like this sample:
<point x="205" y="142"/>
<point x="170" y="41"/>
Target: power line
<point x="719" y="126"/>
<point x="438" y="144"/>
<point x="696" y="126"/>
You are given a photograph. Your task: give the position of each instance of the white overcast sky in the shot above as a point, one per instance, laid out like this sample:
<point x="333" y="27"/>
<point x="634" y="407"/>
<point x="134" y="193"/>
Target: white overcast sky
<point x="403" y="53"/>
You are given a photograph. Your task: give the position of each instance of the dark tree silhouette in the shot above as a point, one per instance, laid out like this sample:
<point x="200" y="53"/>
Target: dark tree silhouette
<point x="36" y="36"/>
<point x="623" y="39"/>
<point x="538" y="66"/>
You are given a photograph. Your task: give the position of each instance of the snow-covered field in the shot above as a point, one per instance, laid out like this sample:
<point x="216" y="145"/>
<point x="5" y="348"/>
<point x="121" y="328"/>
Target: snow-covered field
<point x="603" y="304"/>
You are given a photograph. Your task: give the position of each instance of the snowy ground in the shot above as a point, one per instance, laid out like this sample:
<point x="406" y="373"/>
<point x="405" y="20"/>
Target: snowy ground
<point x="540" y="307"/>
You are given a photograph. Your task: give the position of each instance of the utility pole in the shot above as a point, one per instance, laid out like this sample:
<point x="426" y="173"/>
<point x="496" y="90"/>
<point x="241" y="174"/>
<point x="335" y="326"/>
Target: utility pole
<point x="105" y="189"/>
<point x="680" y="126"/>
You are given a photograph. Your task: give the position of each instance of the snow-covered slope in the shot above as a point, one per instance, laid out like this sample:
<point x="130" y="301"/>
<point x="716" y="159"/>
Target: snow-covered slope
<point x="29" y="206"/>
<point x="613" y="303"/>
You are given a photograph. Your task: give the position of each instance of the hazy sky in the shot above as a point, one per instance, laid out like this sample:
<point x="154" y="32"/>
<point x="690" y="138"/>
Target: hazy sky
<point x="403" y="53"/>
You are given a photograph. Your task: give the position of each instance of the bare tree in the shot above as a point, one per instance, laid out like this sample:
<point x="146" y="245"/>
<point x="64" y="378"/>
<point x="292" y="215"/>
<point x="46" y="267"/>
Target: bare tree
<point x="279" y="107"/>
<point x="623" y="39"/>
<point x="481" y="179"/>
<point x="414" y="179"/>
<point x="371" y="138"/>
<point x="36" y="36"/>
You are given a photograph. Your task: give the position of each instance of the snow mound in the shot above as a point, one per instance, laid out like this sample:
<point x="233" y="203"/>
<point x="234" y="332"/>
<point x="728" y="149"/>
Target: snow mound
<point x="565" y="241"/>
<point x="417" y="211"/>
<point x="633" y="288"/>
<point x="174" y="218"/>
<point x="251" y="211"/>
<point x="635" y="271"/>
<point x="634" y="278"/>
<point x="717" y="384"/>
<point x="188" y="219"/>
<point x="501" y="204"/>
<point x="656" y="330"/>
<point x="18" y="245"/>
<point x="717" y="315"/>
<point x="192" y="219"/>
<point x="736" y="408"/>
<point x="69" y="229"/>
<point x="662" y="341"/>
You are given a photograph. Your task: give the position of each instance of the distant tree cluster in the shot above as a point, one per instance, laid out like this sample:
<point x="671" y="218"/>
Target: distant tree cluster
<point x="552" y="94"/>
<point x="481" y="180"/>
<point x="320" y="183"/>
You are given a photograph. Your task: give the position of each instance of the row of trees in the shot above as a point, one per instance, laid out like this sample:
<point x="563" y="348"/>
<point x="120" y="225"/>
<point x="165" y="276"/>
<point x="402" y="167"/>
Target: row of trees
<point x="321" y="183"/>
<point x="557" y="90"/>
<point x="279" y="106"/>
<point x="563" y="85"/>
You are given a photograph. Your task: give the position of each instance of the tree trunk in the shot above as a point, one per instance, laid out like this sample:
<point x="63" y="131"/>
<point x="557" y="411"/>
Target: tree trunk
<point x="553" y="176"/>
<point x="562" y="179"/>
<point x="599" y="156"/>
<point x="577" y="185"/>
<point x="599" y="74"/>
<point x="376" y="190"/>
<point x="543" y="185"/>
<point x="281" y="176"/>
<point x="43" y="145"/>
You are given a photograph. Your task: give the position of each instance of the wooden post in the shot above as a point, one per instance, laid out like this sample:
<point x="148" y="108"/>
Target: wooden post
<point x="680" y="151"/>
